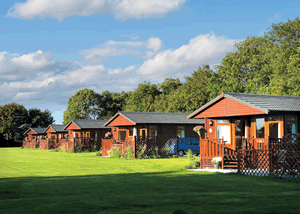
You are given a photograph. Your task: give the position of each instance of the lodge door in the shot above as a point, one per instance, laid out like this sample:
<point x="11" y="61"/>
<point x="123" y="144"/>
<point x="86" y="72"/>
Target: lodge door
<point x="240" y="131"/>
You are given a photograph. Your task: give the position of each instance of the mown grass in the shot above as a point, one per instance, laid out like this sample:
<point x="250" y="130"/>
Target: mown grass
<point x="39" y="181"/>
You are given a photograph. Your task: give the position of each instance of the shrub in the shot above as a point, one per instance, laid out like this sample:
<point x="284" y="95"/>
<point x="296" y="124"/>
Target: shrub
<point x="70" y="150"/>
<point x="163" y="152"/>
<point x="54" y="150"/>
<point x="99" y="153"/>
<point x="129" y="153"/>
<point x="141" y="151"/>
<point x="193" y="163"/>
<point x="115" y="153"/>
<point x="94" y="148"/>
<point x="21" y="147"/>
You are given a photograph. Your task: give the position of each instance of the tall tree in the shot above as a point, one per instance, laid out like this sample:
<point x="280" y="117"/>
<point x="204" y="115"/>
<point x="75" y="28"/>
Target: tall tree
<point x="13" y="117"/>
<point x="191" y="94"/>
<point x="109" y="103"/>
<point x="80" y="106"/>
<point x="38" y="118"/>
<point x="142" y="98"/>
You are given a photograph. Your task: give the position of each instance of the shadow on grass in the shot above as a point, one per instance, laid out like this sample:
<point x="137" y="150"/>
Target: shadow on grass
<point x="158" y="192"/>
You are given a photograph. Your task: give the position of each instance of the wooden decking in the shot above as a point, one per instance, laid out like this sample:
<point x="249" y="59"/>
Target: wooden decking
<point x="210" y="148"/>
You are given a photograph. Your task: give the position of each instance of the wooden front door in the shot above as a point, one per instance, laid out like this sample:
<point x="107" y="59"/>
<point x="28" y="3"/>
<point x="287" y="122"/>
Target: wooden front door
<point x="240" y="131"/>
<point x="143" y="132"/>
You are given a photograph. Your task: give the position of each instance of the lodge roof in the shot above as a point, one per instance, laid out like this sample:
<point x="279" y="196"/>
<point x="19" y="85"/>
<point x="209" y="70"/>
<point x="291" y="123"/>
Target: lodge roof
<point x="88" y="124"/>
<point x="156" y="118"/>
<point x="263" y="102"/>
<point x="36" y="130"/>
<point x="56" y="128"/>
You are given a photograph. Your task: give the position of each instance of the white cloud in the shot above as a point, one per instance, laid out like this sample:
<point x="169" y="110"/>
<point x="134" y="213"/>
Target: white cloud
<point x="274" y="17"/>
<point x="121" y="9"/>
<point x="26" y="95"/>
<point x="118" y="48"/>
<point x="118" y="71"/>
<point x="154" y="43"/>
<point x="203" y="49"/>
<point x="20" y="66"/>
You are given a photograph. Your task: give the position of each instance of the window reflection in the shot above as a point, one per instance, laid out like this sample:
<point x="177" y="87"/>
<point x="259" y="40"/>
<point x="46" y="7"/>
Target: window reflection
<point x="260" y="127"/>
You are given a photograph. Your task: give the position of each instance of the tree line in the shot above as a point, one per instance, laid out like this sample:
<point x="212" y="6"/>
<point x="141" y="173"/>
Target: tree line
<point x="15" y="119"/>
<point x="259" y="65"/>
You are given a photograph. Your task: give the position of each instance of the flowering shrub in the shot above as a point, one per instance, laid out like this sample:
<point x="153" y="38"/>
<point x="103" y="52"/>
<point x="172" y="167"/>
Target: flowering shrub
<point x="115" y="153"/>
<point x="197" y="129"/>
<point x="141" y="151"/>
<point x="107" y="135"/>
<point x="216" y="160"/>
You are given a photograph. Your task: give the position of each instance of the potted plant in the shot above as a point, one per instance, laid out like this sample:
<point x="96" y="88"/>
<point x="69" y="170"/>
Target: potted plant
<point x="217" y="162"/>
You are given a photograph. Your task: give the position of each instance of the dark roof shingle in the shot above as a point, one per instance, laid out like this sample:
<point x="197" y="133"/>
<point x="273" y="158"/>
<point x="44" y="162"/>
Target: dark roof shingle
<point x="89" y="124"/>
<point x="157" y="118"/>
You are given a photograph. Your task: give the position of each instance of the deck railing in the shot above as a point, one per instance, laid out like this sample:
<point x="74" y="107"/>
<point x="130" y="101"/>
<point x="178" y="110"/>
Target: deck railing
<point x="210" y="148"/>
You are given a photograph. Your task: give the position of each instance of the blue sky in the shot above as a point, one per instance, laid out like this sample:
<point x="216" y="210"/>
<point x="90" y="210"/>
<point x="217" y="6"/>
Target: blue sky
<point x="50" y="49"/>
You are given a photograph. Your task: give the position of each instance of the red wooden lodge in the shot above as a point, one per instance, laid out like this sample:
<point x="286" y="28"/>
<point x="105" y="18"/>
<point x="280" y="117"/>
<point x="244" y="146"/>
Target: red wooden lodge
<point x="55" y="135"/>
<point x="34" y="136"/>
<point x="126" y="126"/>
<point x="84" y="133"/>
<point x="235" y="121"/>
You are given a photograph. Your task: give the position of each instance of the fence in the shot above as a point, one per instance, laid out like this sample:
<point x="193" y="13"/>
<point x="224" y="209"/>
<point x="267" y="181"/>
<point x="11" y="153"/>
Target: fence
<point x="143" y="146"/>
<point x="281" y="157"/>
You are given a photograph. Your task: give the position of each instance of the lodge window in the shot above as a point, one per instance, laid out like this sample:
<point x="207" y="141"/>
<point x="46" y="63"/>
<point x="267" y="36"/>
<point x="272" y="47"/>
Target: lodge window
<point x="223" y="130"/>
<point x="180" y="131"/>
<point x="291" y="124"/>
<point x="152" y="131"/>
<point x="121" y="135"/>
<point x="260" y="127"/>
<point x="130" y="131"/>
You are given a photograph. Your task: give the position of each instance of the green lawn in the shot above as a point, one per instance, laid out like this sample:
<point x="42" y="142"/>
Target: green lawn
<point x="40" y="181"/>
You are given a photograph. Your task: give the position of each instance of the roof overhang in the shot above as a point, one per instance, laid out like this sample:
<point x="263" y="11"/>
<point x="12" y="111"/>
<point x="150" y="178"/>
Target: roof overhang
<point x="70" y="124"/>
<point x="115" y="116"/>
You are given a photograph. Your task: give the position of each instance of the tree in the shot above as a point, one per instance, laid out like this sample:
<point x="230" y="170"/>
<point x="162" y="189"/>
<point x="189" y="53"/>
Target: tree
<point x="109" y="103"/>
<point x="38" y="118"/>
<point x="81" y="106"/>
<point x="142" y="98"/>
<point x="13" y="117"/>
<point x="193" y="93"/>
<point x="264" y="65"/>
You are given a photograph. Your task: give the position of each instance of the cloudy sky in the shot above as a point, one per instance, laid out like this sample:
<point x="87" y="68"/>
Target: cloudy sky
<point x="50" y="49"/>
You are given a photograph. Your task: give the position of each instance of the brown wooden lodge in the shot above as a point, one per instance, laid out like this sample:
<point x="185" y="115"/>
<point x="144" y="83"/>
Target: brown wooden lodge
<point x="236" y="121"/>
<point x="150" y="127"/>
<point x="34" y="136"/>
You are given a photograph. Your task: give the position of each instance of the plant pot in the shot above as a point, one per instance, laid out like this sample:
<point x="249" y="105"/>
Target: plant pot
<point x="217" y="165"/>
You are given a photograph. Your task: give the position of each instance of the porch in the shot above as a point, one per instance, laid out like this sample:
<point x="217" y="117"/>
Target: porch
<point x="210" y="148"/>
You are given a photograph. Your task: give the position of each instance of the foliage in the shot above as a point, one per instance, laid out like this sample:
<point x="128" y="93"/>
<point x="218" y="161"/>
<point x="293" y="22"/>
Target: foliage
<point x="54" y="150"/>
<point x="80" y="106"/>
<point x="216" y="160"/>
<point x="99" y="153"/>
<point x="70" y="150"/>
<point x="141" y="151"/>
<point x="109" y="103"/>
<point x="94" y="148"/>
<point x="193" y="163"/>
<point x="142" y="99"/>
<point x="12" y="121"/>
<point x="78" y="148"/>
<point x="38" y="118"/>
<point x="128" y="153"/>
<point x="116" y="153"/>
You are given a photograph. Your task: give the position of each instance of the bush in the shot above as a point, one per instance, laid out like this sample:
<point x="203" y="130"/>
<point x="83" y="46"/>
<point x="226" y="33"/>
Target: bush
<point x="163" y="152"/>
<point x="193" y="160"/>
<point x="54" y="150"/>
<point x="99" y="153"/>
<point x="129" y="153"/>
<point x="115" y="153"/>
<point x="141" y="151"/>
<point x="94" y="148"/>
<point x="70" y="150"/>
